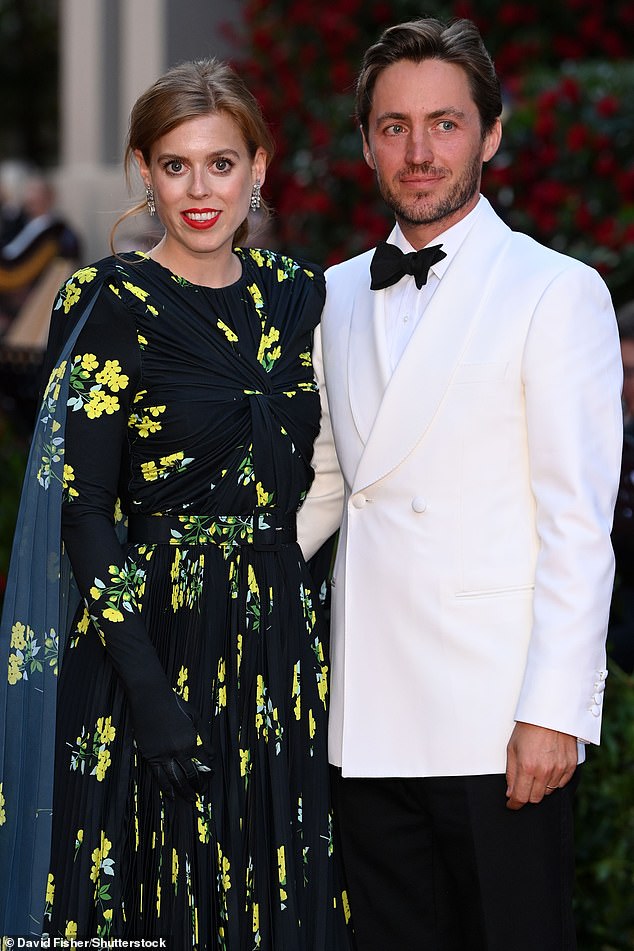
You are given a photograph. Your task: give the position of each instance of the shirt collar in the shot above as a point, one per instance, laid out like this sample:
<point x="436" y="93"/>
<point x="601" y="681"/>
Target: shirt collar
<point x="451" y="239"/>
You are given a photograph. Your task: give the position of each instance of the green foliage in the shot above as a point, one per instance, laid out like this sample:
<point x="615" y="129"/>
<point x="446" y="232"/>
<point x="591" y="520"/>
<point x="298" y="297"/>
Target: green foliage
<point x="605" y="827"/>
<point x="565" y="171"/>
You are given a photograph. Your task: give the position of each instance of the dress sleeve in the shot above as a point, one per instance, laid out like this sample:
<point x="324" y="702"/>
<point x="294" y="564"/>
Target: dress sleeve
<point x="104" y="378"/>
<point x="320" y="514"/>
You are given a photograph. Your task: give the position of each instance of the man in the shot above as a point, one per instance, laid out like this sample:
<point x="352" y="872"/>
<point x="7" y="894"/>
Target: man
<point x="477" y="421"/>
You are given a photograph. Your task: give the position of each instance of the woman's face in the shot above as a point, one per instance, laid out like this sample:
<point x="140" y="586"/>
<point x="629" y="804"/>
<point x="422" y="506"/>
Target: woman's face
<point x="202" y="176"/>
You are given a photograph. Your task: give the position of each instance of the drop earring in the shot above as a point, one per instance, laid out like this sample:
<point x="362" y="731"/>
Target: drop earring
<point x="149" y="198"/>
<point x="256" y="200"/>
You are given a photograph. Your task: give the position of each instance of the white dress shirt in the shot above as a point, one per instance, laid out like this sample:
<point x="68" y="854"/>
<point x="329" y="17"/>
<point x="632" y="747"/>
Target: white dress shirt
<point x="404" y="303"/>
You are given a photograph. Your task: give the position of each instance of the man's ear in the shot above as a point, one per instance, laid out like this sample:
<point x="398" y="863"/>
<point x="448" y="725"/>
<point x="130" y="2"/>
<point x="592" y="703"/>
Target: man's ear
<point x="492" y="141"/>
<point x="367" y="151"/>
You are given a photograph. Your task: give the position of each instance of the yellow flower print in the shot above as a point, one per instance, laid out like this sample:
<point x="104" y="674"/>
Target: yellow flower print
<point x="345" y="904"/>
<point x="18" y="640"/>
<point x="222" y="687"/>
<point x="50" y="889"/>
<point x="256" y="917"/>
<point x="256" y="294"/>
<point x="115" y="290"/>
<point x="85" y="275"/>
<point x="227" y="331"/>
<point x="142" y="340"/>
<point x="174" y="867"/>
<point x="106" y="730"/>
<point x="15" y="673"/>
<point x="137" y="291"/>
<point x="99" y="403"/>
<point x="149" y="470"/>
<point x="3" y="814"/>
<point x="244" y="762"/>
<point x="84" y="622"/>
<point x="296" y="691"/>
<point x="148" y="423"/>
<point x="67" y="478"/>
<point x="99" y="856"/>
<point x="72" y="293"/>
<point x="252" y="581"/>
<point x="312" y="726"/>
<point x="71" y="930"/>
<point x="257" y="256"/>
<point x="266" y="353"/>
<point x="181" y="687"/>
<point x="174" y="457"/>
<point x="89" y="362"/>
<point x="108" y="914"/>
<point x="264" y="498"/>
<point x="281" y="868"/>
<point x="305" y="359"/>
<point x="322" y="684"/>
<point x="224" y="867"/>
<point x="103" y="762"/>
<point x="112" y="377"/>
<point x="112" y="614"/>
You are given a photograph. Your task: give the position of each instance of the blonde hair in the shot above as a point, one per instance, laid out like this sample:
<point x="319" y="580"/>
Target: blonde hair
<point x="193" y="89"/>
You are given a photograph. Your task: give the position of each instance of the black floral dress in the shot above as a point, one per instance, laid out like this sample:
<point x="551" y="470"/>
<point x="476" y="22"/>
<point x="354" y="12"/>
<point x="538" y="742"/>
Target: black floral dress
<point x="197" y="405"/>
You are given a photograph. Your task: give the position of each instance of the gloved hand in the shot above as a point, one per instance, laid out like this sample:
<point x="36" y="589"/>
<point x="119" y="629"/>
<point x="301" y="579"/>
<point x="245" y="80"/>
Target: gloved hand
<point x="170" y="737"/>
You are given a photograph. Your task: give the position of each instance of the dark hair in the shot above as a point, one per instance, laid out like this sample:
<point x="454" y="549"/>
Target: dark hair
<point x="459" y="43"/>
<point x="187" y="91"/>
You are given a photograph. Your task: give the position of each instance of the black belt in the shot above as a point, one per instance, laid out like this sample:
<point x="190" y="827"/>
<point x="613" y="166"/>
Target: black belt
<point x="263" y="530"/>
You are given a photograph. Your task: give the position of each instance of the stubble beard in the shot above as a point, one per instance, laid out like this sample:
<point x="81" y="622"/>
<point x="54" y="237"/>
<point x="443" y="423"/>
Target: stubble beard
<point x="420" y="210"/>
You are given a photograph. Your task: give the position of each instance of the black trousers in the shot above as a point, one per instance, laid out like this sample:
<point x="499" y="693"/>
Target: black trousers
<point x="440" y="864"/>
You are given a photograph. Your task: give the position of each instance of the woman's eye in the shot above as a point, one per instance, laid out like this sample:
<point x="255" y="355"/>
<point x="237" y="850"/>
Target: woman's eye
<point x="175" y="166"/>
<point x="223" y="164"/>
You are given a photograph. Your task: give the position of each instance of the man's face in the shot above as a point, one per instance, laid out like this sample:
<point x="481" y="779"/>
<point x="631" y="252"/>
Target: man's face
<point x="425" y="144"/>
<point x="627" y="355"/>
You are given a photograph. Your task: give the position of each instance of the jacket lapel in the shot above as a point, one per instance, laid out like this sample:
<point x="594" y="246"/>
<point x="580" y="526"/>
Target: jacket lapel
<point x="368" y="368"/>
<point x="415" y="391"/>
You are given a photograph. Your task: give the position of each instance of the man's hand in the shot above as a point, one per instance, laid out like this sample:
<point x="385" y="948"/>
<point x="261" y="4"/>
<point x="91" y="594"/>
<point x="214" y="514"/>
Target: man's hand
<point x="538" y="761"/>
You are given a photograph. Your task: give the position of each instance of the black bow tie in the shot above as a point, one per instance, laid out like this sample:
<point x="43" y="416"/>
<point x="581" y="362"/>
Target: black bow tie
<point x="389" y="264"/>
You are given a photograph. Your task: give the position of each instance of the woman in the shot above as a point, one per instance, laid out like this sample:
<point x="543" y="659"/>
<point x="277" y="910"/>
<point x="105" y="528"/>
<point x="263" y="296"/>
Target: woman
<point x="177" y="429"/>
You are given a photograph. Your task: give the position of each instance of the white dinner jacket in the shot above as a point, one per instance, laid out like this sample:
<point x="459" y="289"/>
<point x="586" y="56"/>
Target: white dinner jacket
<point x="474" y="572"/>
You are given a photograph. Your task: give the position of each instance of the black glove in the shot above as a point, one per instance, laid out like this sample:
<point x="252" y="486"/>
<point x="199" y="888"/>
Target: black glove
<point x="170" y="737"/>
